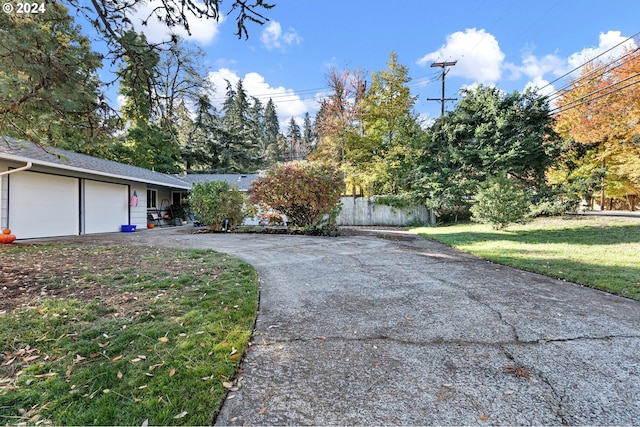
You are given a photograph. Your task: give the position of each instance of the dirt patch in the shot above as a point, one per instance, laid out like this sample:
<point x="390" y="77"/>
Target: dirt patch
<point x="31" y="272"/>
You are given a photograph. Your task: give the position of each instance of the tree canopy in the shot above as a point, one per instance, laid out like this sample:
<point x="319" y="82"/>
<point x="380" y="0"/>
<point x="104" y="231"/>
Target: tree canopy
<point x="48" y="80"/>
<point x="599" y="115"/>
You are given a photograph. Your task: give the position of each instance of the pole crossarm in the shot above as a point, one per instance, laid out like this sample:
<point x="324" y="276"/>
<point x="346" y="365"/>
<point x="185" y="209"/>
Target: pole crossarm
<point x="442" y="99"/>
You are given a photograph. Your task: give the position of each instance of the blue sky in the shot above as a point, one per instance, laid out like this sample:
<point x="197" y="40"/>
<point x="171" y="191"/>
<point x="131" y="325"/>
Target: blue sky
<point x="507" y="43"/>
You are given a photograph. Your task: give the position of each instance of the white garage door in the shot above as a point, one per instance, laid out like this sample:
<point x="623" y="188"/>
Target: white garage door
<point x="106" y="207"/>
<point x="42" y="205"/>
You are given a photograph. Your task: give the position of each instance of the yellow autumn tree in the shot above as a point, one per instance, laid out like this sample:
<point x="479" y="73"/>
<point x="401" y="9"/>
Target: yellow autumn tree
<point x="600" y="113"/>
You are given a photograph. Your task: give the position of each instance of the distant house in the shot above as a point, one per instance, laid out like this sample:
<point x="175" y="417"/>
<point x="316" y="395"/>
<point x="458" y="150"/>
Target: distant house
<point x="47" y="192"/>
<point x="242" y="181"/>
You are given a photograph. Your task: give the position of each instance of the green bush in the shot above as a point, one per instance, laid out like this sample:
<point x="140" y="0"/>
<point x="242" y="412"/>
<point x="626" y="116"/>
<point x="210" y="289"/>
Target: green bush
<point x="303" y="191"/>
<point x="501" y="202"/>
<point x="214" y="201"/>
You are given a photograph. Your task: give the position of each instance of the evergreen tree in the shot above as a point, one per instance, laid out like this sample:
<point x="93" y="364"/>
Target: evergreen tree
<point x="201" y="151"/>
<point x="256" y="125"/>
<point x="239" y="152"/>
<point x="151" y="140"/>
<point x="489" y="133"/>
<point x="294" y="138"/>
<point x="274" y="145"/>
<point x="308" y="138"/>
<point x="49" y="88"/>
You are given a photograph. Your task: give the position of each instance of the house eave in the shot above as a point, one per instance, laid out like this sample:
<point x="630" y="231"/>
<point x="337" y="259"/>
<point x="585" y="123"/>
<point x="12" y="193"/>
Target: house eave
<point x="11" y="157"/>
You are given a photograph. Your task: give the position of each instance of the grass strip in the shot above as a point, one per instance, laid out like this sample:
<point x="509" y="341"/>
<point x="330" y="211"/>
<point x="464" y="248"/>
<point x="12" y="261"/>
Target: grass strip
<point x="601" y="252"/>
<point x="121" y="335"/>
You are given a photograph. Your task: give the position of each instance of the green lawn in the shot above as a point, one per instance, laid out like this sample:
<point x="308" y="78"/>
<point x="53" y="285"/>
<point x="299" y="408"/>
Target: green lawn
<point x="120" y="335"/>
<point x="602" y="252"/>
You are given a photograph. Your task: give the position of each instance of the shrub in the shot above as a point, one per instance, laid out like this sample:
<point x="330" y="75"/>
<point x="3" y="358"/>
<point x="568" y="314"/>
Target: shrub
<point x="303" y="191"/>
<point x="500" y="202"/>
<point x="215" y="201"/>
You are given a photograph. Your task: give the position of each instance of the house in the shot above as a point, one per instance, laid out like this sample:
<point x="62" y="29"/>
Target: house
<point x="242" y="181"/>
<point x="46" y="192"/>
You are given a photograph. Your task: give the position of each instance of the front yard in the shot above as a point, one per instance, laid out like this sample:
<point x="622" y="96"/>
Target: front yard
<point x="120" y="335"/>
<point x="601" y="252"/>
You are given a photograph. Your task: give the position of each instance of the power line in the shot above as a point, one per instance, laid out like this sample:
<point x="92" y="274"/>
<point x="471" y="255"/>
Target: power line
<point x="576" y="83"/>
<point x="571" y="105"/>
<point x="300" y="95"/>
<point x="596" y="57"/>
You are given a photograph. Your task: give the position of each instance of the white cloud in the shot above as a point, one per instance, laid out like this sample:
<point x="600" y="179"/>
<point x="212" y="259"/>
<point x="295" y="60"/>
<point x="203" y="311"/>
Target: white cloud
<point x="202" y="30"/>
<point x="534" y="67"/>
<point x="288" y="103"/>
<point x="477" y="52"/>
<point x="541" y="86"/>
<point x="273" y="38"/>
<point x="606" y="41"/>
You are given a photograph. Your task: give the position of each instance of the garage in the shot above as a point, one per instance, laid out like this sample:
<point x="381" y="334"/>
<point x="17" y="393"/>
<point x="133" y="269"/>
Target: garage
<point x="106" y="206"/>
<point x="50" y="192"/>
<point x="43" y="205"/>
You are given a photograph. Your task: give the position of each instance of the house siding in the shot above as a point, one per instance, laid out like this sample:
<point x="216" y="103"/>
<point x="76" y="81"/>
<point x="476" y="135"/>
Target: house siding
<point x="138" y="214"/>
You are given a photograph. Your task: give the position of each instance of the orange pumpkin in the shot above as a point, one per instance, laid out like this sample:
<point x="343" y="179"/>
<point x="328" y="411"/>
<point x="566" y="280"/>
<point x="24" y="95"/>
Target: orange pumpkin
<point x="6" y="231"/>
<point x="151" y="225"/>
<point x="7" y="238"/>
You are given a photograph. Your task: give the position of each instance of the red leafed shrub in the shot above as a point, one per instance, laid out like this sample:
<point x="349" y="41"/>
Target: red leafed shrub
<point x="303" y="191"/>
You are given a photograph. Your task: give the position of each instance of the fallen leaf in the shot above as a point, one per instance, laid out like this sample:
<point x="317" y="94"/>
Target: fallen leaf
<point x="104" y="344"/>
<point x="50" y="374"/>
<point x="119" y="375"/>
<point x="172" y="372"/>
<point x="235" y="356"/>
<point x="115" y="359"/>
<point x="233" y="350"/>
<point x="203" y="345"/>
<point x="518" y="371"/>
<point x="484" y="417"/>
<point x="227" y="385"/>
<point x="181" y="415"/>
<point x="94" y="355"/>
<point x="163" y="339"/>
<point x="262" y="410"/>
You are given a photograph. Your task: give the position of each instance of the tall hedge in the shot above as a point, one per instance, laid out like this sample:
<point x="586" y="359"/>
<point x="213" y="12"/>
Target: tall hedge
<point x="214" y="201"/>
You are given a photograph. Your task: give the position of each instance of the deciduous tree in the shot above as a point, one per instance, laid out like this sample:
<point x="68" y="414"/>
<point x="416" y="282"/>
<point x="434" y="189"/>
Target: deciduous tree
<point x="303" y="191"/>
<point x="600" y="109"/>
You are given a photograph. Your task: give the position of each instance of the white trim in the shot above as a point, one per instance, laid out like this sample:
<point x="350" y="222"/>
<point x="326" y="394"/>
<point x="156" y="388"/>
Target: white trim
<point x="92" y="172"/>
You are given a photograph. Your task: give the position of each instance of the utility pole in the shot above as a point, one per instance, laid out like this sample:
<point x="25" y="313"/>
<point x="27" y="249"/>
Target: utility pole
<point x="442" y="99"/>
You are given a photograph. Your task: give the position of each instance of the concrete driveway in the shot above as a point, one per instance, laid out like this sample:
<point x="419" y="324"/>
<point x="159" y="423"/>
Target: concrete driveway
<point x="390" y="328"/>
